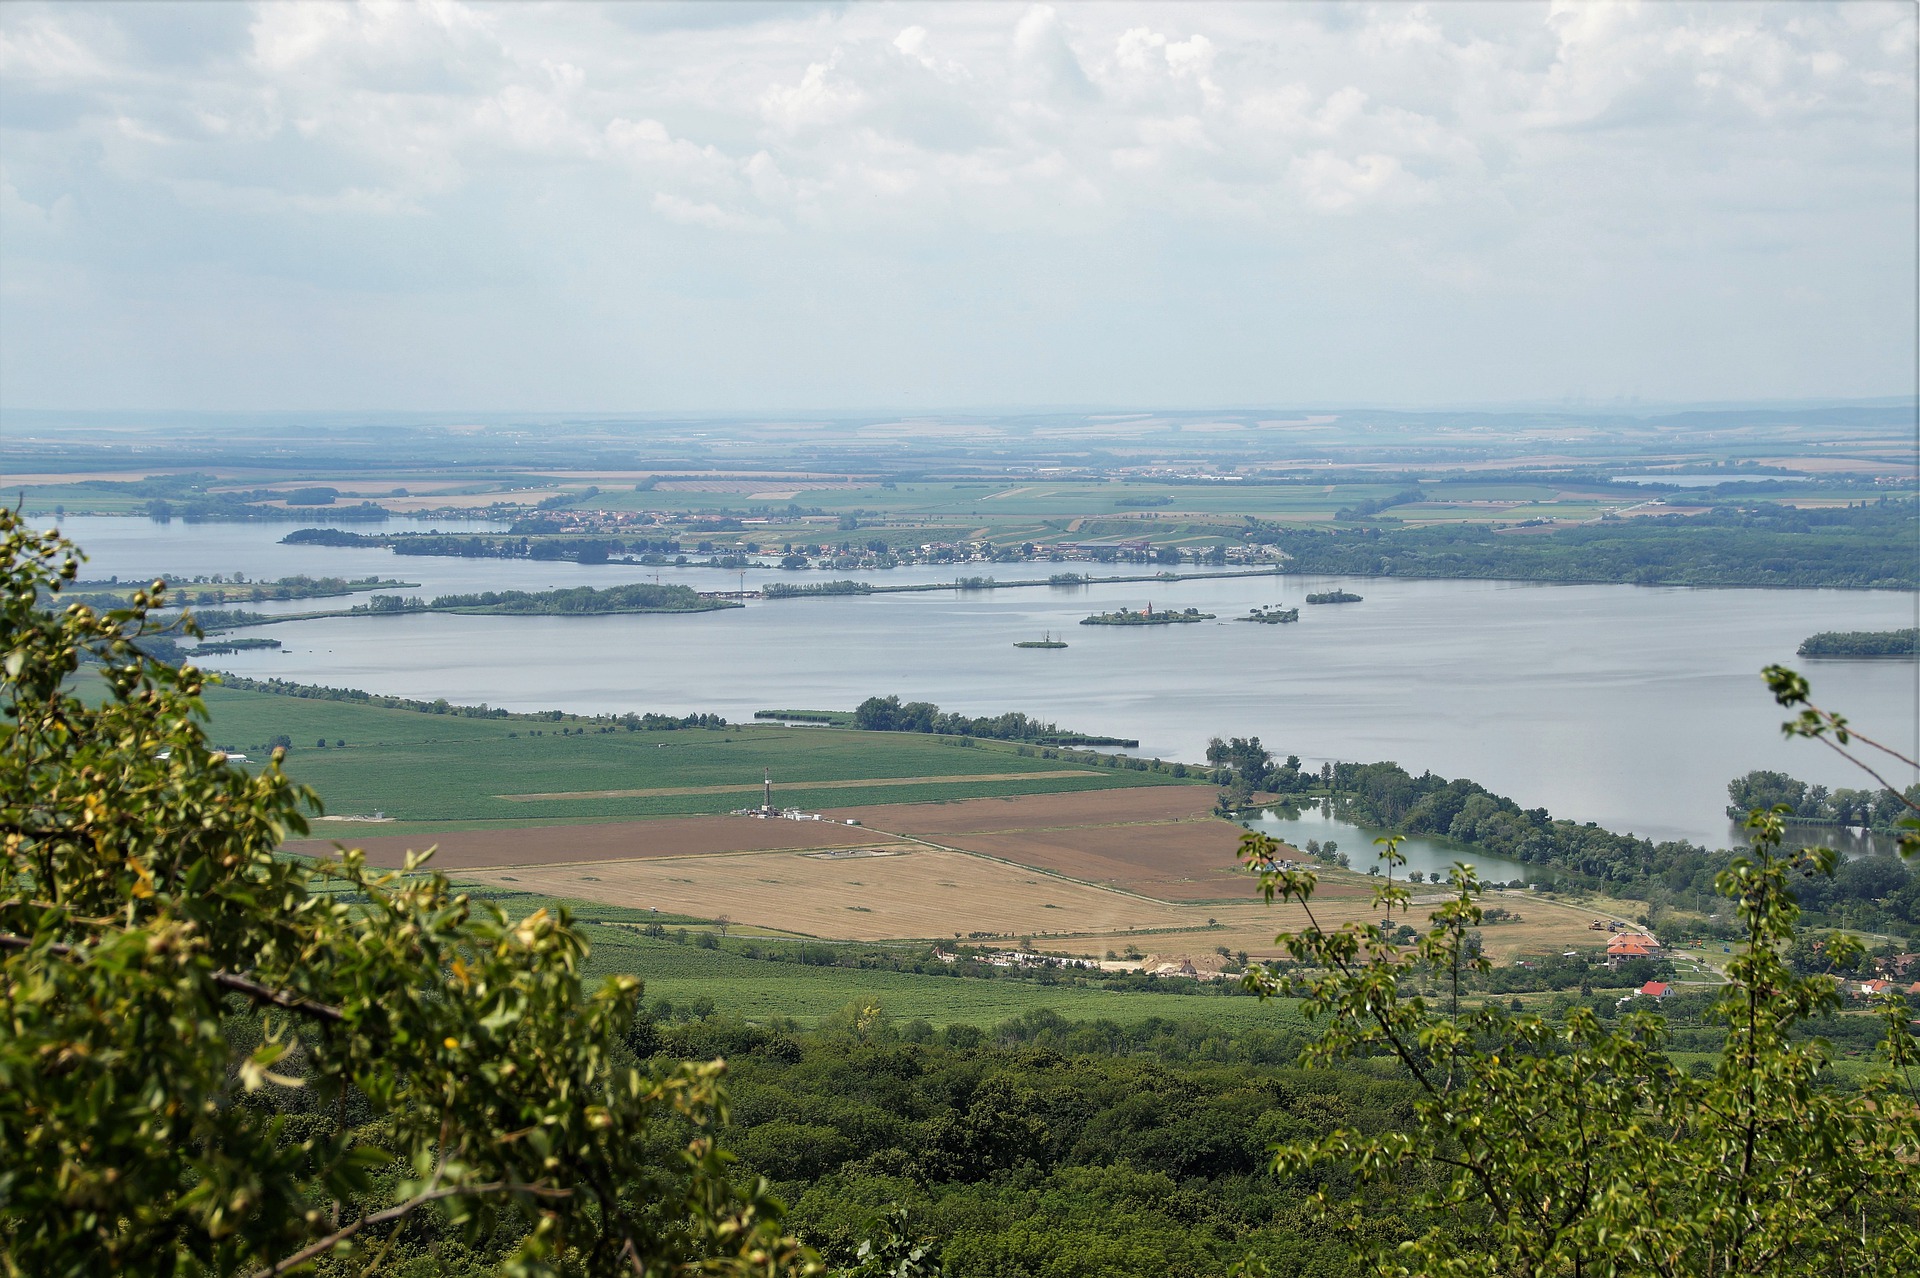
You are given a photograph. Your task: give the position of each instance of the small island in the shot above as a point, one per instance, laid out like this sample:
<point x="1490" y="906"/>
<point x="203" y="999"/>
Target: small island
<point x="1863" y="643"/>
<point x="782" y="590"/>
<point x="570" y="601"/>
<point x="1272" y="615"/>
<point x="1048" y="642"/>
<point x="1333" y="596"/>
<point x="1147" y="617"/>
<point x="216" y="647"/>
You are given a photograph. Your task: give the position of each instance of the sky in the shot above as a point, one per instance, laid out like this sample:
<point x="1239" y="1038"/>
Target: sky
<point x="754" y="207"/>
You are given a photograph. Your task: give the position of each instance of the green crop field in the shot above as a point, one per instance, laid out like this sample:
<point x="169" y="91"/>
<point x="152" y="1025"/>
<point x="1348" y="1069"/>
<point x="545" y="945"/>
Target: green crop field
<point x="1010" y="512"/>
<point x="424" y="769"/>
<point x="758" y="989"/>
<point x="1007" y="503"/>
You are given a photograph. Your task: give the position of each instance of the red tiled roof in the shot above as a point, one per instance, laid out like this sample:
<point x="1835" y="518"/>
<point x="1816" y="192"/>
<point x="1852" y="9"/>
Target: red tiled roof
<point x="1655" y="989"/>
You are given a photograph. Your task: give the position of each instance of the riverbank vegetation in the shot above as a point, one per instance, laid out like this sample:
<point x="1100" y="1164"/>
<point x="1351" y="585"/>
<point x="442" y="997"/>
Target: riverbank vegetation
<point x="1333" y="597"/>
<point x="1871" y="809"/>
<point x="890" y="714"/>
<point x="649" y="722"/>
<point x="1862" y="643"/>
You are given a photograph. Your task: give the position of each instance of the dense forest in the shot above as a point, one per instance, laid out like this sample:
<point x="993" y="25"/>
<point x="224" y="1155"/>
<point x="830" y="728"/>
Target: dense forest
<point x="1043" y="1147"/>
<point x="1866" y="546"/>
<point x="1065" y="1154"/>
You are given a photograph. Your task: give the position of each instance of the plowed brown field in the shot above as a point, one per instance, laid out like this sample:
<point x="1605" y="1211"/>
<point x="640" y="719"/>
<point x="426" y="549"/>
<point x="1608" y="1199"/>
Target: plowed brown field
<point x="1167" y="860"/>
<point x="1162" y="842"/>
<point x="1038" y="811"/>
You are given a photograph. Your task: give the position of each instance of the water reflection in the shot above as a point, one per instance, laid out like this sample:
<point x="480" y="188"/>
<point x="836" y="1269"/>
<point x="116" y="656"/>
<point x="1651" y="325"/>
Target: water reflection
<point x="1431" y="857"/>
<point x="1848" y="843"/>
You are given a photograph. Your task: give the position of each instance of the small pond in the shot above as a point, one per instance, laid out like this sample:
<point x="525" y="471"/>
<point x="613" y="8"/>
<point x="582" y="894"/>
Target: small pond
<point x="1431" y="857"/>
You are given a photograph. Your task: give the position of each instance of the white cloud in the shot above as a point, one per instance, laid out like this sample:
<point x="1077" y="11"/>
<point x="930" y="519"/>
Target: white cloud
<point x="1334" y="183"/>
<point x="679" y="209"/>
<point x="1454" y="148"/>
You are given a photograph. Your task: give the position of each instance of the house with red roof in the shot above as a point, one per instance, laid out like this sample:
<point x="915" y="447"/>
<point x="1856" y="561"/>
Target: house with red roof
<point x="1656" y="989"/>
<point x="1624" y="947"/>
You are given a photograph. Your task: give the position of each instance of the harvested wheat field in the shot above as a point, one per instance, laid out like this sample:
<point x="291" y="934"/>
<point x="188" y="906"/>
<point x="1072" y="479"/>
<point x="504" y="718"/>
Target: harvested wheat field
<point x="1541" y="926"/>
<point x="905" y="890"/>
<point x="621" y="840"/>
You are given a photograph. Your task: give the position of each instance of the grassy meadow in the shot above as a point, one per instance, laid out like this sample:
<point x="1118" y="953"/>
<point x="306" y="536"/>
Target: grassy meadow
<point x="758" y="989"/>
<point x="424" y="770"/>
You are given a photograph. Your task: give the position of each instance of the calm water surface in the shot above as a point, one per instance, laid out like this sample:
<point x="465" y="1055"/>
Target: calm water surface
<point x="1629" y="706"/>
<point x="1427" y="856"/>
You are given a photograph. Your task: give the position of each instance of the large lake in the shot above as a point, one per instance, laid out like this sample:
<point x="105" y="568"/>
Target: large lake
<point x="1625" y="705"/>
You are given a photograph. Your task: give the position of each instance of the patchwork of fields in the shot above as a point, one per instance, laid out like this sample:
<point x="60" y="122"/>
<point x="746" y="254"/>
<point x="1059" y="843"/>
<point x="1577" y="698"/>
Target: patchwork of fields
<point x="1162" y="843"/>
<point x="925" y="841"/>
<point x="445" y="772"/>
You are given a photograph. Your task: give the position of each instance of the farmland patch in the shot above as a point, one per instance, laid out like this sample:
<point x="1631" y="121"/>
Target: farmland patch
<point x="922" y="892"/>
<point x="612" y="841"/>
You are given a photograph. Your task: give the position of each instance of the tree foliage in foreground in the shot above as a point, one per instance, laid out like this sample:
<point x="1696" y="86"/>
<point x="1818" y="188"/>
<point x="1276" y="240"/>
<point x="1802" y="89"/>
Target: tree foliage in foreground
<point x="404" y="1051"/>
<point x="1574" y="1147"/>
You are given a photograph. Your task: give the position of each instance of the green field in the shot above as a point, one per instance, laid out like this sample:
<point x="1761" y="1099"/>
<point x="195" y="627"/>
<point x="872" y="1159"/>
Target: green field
<point x="431" y="770"/>
<point x="1011" y="511"/>
<point x="757" y="989"/>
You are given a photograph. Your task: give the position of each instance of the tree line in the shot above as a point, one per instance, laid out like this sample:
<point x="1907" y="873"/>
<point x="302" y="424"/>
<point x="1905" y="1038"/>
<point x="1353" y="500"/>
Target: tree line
<point x="1872" y="809"/>
<point x="890" y="714"/>
<point x="1862" y="643"/>
<point x="648" y="722"/>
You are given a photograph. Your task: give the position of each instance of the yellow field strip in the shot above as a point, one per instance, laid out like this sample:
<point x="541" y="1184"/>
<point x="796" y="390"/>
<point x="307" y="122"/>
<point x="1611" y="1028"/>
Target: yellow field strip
<point x="664" y="791"/>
